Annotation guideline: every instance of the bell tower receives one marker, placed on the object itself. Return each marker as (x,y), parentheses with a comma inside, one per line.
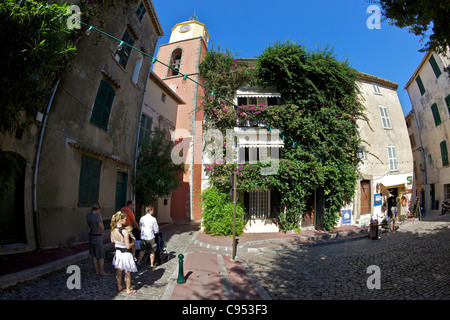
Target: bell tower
(180,59)
(189,30)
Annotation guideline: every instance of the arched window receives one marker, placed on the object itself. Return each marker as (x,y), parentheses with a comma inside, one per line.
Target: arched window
(175,63)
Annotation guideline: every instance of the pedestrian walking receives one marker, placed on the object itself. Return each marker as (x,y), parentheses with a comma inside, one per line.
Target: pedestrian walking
(149,227)
(123,259)
(96,250)
(128,210)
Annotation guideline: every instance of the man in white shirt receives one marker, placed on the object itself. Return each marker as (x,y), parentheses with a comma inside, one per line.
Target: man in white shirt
(149,227)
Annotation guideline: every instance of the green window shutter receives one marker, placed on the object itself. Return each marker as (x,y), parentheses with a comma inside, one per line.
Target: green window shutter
(140,12)
(435,67)
(420,84)
(436,116)
(447,101)
(126,49)
(121,189)
(102,105)
(146,128)
(444,153)
(89,181)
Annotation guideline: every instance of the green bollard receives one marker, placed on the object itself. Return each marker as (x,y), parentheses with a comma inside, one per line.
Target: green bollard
(180,270)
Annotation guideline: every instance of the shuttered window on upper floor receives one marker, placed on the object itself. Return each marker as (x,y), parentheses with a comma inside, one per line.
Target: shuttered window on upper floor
(447,101)
(102,105)
(420,84)
(444,153)
(123,53)
(392,157)
(146,129)
(434,65)
(385,117)
(140,12)
(436,115)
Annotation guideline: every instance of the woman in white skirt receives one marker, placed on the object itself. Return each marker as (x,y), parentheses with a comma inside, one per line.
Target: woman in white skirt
(123,259)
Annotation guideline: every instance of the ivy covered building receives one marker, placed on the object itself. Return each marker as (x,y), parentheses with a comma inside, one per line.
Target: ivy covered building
(341,144)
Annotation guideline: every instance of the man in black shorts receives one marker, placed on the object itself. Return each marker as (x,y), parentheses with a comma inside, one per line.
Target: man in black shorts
(96,250)
(149,227)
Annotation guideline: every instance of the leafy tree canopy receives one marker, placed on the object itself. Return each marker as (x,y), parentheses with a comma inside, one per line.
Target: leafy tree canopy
(422,18)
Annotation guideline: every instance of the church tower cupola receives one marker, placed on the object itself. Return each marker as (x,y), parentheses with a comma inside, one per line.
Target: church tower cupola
(189,30)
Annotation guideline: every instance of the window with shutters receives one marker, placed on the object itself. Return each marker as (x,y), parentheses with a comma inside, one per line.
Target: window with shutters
(444,153)
(89,181)
(102,105)
(392,157)
(434,65)
(121,189)
(140,12)
(447,101)
(420,84)
(436,115)
(385,117)
(146,128)
(123,54)
(376,88)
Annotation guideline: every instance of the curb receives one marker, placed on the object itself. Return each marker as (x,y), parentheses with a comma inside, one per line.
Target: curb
(30,274)
(357,234)
(272,242)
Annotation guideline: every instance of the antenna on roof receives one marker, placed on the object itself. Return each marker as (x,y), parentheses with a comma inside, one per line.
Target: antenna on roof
(193,18)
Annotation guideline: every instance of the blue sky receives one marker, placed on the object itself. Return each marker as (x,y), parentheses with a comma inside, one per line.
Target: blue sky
(247,27)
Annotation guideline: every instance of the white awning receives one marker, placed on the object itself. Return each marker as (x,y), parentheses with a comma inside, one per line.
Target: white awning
(260,145)
(255,92)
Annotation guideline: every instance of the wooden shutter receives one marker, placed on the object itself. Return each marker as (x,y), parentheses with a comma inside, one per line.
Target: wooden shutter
(385,117)
(89,181)
(435,67)
(121,189)
(420,84)
(447,101)
(392,156)
(436,116)
(102,105)
(126,50)
(146,128)
(444,153)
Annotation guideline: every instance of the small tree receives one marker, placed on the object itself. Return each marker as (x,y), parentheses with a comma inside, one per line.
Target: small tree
(156,174)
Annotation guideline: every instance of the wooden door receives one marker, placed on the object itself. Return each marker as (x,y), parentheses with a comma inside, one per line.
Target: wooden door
(365,197)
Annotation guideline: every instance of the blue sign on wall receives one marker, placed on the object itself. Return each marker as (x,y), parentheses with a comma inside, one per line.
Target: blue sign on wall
(346,218)
(377,199)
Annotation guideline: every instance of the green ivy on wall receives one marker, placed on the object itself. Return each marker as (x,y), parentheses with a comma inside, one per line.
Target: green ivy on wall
(317,119)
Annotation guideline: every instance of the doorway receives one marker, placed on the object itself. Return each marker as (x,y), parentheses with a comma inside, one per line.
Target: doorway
(365,197)
(12,209)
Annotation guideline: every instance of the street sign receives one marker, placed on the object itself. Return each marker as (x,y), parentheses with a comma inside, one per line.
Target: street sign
(231,196)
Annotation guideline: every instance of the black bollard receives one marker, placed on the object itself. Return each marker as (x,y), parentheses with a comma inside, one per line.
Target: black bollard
(180,270)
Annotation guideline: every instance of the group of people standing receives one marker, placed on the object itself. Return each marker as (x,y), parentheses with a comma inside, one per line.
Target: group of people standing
(122,223)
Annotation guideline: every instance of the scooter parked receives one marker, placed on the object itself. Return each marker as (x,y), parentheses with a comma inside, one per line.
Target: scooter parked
(445,207)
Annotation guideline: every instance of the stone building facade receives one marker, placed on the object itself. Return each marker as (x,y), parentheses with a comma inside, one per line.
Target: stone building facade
(429,92)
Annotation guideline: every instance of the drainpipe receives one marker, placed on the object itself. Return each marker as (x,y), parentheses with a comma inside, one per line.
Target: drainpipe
(139,128)
(36,167)
(422,154)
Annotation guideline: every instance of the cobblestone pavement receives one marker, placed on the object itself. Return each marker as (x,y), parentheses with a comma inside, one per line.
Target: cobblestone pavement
(413,262)
(150,283)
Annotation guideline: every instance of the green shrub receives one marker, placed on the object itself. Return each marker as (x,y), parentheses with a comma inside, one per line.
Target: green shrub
(218,213)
